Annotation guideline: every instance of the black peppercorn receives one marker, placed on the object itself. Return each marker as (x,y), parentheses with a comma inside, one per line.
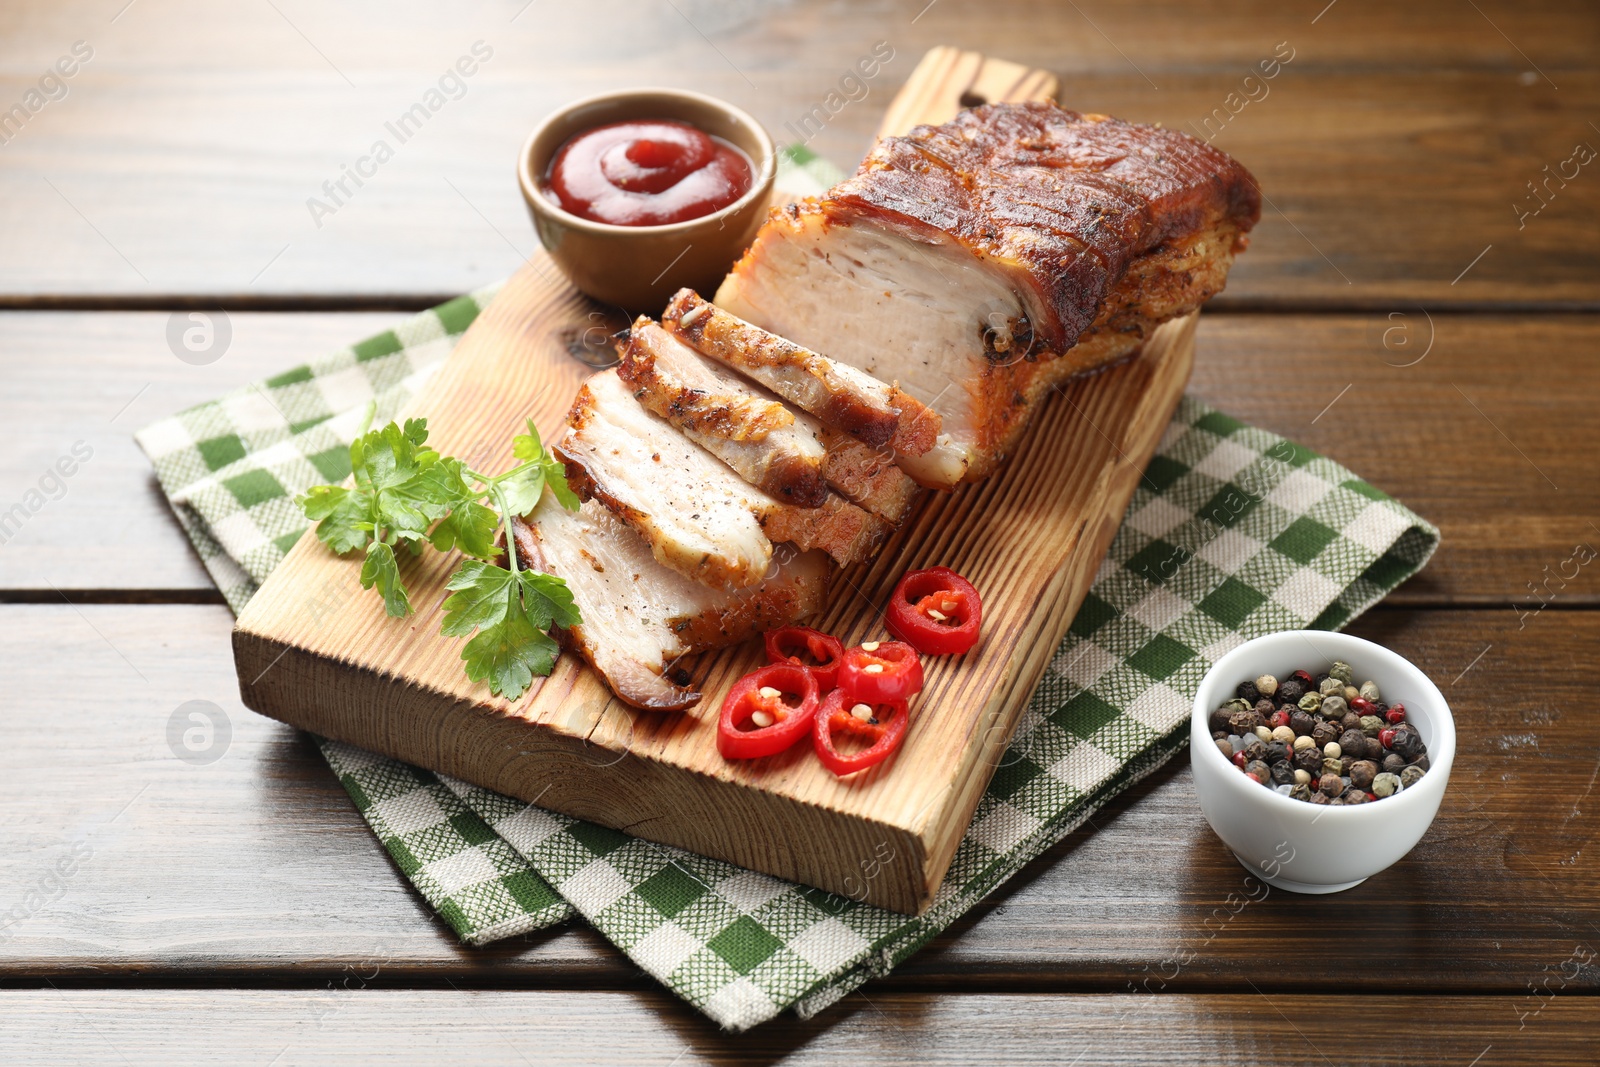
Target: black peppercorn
(1262,772)
(1374,749)
(1265,708)
(1362,772)
(1290,690)
(1301,723)
(1331,785)
(1353,743)
(1422,761)
(1219,719)
(1282,773)
(1255,749)
(1355,796)
(1247,691)
(1276,751)
(1242,722)
(1393,763)
(1324,732)
(1407,743)
(1319,797)
(1309,760)
(1350,721)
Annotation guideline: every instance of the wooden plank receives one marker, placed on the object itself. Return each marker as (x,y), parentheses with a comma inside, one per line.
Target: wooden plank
(1046,521)
(91,381)
(440,1028)
(256,868)
(1416,437)
(163,177)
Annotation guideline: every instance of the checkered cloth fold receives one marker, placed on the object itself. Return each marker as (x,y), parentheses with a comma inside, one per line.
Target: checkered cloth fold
(1231,533)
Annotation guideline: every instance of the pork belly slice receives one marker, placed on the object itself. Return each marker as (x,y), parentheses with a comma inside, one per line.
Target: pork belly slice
(844,398)
(700,518)
(966,261)
(739,423)
(639,616)
(866,476)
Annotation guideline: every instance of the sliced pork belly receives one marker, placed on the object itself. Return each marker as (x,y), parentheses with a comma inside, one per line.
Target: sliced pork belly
(700,518)
(965,261)
(638,616)
(866,476)
(844,398)
(733,419)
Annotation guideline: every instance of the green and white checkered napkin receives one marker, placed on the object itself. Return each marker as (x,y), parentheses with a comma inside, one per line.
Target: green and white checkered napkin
(1232,532)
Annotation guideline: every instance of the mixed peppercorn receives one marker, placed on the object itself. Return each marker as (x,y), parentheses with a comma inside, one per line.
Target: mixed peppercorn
(1320,738)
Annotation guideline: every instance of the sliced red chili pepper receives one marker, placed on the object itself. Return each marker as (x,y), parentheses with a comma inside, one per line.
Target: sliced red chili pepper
(936,611)
(766,711)
(796,644)
(880,671)
(881,724)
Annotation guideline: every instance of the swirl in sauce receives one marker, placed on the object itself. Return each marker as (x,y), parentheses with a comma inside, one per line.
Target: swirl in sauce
(647,173)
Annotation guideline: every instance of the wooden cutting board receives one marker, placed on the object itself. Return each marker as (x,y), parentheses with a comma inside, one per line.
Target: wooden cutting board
(1030,538)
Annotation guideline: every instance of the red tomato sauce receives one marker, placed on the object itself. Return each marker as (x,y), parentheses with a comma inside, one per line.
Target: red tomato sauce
(647,173)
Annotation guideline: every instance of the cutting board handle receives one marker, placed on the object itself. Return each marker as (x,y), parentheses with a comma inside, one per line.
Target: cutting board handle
(949,79)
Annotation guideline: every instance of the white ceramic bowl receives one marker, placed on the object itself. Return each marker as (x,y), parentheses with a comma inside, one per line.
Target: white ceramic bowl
(1312,848)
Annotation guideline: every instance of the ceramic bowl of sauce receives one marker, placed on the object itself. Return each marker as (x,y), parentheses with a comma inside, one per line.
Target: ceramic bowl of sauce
(638,193)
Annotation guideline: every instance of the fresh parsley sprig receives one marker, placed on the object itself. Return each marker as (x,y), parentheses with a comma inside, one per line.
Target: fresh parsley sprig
(405,494)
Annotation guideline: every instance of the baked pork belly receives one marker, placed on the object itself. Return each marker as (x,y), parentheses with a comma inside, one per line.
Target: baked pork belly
(639,616)
(700,518)
(844,398)
(978,263)
(739,423)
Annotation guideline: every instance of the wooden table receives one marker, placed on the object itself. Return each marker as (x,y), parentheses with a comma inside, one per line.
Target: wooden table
(1403,309)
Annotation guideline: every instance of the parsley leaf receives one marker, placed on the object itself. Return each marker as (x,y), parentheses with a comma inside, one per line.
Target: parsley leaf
(405,493)
(380,569)
(510,612)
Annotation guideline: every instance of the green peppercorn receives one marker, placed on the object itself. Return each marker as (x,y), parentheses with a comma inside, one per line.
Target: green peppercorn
(1238,704)
(1350,693)
(1301,791)
(1311,702)
(1342,671)
(1332,765)
(1411,776)
(1334,707)
(1330,686)
(1371,725)
(1369,691)
(1385,785)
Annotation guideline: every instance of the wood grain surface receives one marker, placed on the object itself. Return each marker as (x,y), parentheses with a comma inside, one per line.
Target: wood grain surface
(1396,147)
(180,164)
(441,1028)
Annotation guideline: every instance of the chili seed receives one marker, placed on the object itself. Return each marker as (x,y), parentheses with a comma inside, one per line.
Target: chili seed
(761,719)
(871,646)
(1385,785)
(864,713)
(872,668)
(769,693)
(936,615)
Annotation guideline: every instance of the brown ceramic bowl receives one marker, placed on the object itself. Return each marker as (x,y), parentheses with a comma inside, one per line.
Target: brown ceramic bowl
(639,267)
